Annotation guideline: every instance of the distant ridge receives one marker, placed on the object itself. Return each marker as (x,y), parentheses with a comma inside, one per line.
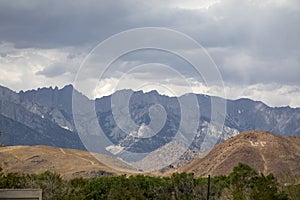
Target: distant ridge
(263,151)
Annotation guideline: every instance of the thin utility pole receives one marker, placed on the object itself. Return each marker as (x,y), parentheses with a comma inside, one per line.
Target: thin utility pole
(208,187)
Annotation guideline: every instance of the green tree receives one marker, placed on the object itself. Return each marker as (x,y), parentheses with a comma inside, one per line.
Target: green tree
(293,191)
(247,184)
(239,180)
(75,189)
(266,187)
(98,188)
(51,183)
(12,181)
(218,186)
(183,185)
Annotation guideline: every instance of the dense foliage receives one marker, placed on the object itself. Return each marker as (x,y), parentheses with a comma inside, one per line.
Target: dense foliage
(242,183)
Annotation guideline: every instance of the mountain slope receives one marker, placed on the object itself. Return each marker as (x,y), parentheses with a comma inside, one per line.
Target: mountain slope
(69,163)
(265,152)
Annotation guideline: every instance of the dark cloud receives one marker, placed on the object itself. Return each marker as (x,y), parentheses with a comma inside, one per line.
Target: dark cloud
(263,28)
(252,42)
(58,23)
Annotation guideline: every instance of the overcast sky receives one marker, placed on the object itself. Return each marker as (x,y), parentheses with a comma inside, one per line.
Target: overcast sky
(255,45)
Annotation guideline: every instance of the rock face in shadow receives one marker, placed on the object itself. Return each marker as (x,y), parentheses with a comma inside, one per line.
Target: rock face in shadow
(25,121)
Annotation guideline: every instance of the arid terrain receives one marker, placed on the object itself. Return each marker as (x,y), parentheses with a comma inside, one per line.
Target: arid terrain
(265,152)
(69,163)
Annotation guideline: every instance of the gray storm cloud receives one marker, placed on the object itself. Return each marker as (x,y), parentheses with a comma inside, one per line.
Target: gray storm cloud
(255,44)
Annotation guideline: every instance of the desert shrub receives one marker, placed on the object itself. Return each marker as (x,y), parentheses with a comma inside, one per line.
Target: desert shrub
(243,183)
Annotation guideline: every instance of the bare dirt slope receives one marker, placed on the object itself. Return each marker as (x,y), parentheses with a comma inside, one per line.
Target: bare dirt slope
(69,163)
(265,152)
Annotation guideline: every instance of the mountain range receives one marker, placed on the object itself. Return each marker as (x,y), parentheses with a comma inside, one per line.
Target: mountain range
(44,117)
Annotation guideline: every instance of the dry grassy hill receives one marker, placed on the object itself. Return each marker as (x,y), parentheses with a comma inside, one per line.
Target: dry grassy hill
(69,163)
(263,151)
